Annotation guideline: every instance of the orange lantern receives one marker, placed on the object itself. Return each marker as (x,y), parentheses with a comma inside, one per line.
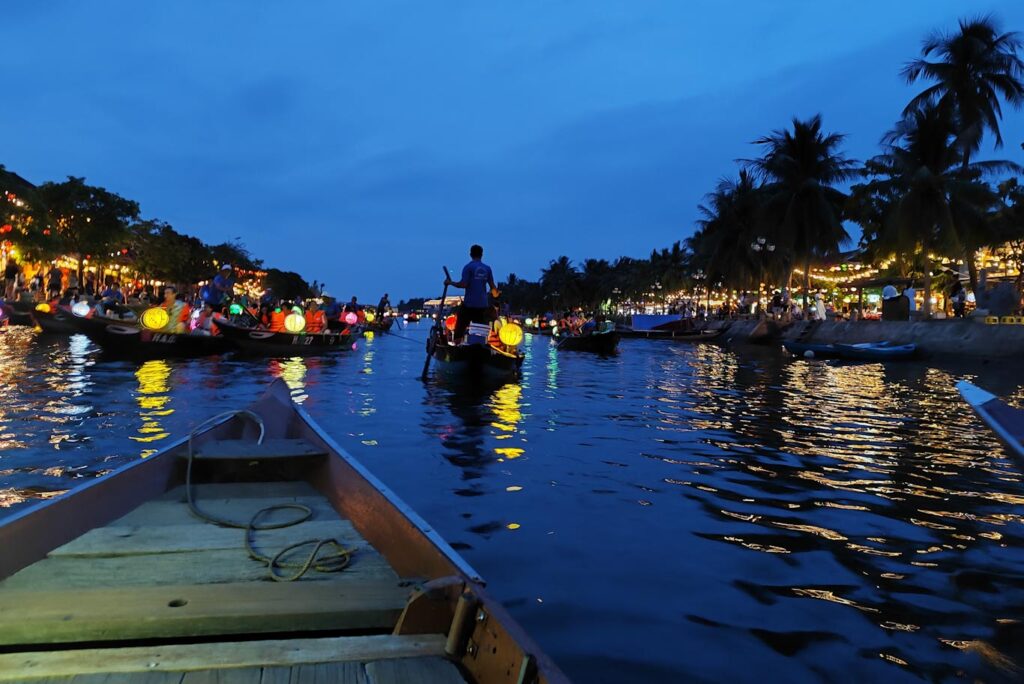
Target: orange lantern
(450,322)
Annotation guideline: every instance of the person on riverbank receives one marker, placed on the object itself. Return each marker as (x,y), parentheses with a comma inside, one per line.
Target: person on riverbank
(54,281)
(476,277)
(89,289)
(11,273)
(910,294)
(958,298)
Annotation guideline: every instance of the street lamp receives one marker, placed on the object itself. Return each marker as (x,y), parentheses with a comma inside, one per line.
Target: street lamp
(761,247)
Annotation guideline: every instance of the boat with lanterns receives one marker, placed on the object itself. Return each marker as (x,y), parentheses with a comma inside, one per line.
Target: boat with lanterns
(601,342)
(147,337)
(488,353)
(292,341)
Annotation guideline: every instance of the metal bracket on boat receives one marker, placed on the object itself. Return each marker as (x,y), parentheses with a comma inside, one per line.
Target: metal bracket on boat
(429,608)
(492,654)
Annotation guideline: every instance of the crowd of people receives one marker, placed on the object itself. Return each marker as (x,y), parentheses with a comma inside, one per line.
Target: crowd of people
(195,310)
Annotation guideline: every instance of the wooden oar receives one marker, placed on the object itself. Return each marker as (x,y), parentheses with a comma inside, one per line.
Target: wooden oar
(438,324)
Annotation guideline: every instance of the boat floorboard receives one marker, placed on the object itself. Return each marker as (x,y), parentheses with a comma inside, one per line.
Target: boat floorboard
(160,572)
(381,659)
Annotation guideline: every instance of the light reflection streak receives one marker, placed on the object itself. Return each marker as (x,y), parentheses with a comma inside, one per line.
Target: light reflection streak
(153,398)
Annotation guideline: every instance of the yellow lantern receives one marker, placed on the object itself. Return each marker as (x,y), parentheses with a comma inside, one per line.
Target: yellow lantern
(155,318)
(370,317)
(511,334)
(43,308)
(294,323)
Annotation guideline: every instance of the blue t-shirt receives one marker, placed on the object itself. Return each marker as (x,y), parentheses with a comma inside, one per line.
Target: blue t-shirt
(221,286)
(476,276)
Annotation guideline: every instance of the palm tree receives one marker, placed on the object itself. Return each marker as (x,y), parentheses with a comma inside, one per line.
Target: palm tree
(560,280)
(804,209)
(731,222)
(595,284)
(976,66)
(973,69)
(934,205)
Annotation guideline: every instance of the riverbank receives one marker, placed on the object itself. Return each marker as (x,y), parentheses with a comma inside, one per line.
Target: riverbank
(960,338)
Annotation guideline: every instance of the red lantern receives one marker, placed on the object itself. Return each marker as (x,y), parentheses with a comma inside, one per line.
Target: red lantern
(450,322)
(6,228)
(46,231)
(124,251)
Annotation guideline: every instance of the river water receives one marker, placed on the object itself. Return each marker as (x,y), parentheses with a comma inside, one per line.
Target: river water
(676,513)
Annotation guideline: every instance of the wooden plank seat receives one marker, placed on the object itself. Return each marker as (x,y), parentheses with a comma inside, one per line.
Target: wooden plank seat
(160,572)
(377,659)
(249,450)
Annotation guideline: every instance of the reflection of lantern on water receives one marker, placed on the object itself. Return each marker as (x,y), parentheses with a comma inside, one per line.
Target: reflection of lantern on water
(506,407)
(449,322)
(295,323)
(155,318)
(153,398)
(80,309)
(351,318)
(293,372)
(511,335)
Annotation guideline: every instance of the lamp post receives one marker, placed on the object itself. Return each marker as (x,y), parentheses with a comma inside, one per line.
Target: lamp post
(657,293)
(761,247)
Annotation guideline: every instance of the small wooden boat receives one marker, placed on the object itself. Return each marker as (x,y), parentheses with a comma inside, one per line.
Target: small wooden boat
(124,338)
(17,312)
(680,335)
(473,361)
(604,343)
(1005,420)
(161,572)
(267,343)
(866,351)
(57,321)
(381,325)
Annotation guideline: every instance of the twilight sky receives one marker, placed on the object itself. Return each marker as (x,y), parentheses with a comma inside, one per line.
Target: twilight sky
(365,143)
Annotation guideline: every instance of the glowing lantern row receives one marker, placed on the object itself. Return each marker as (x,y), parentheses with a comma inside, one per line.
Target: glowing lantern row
(43,308)
(511,335)
(80,309)
(295,323)
(155,318)
(351,318)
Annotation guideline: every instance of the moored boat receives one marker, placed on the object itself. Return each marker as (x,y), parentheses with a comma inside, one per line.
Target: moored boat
(161,570)
(866,351)
(266,343)
(604,343)
(124,338)
(57,320)
(1005,420)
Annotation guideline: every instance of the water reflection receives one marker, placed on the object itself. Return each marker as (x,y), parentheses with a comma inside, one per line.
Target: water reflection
(153,397)
(816,520)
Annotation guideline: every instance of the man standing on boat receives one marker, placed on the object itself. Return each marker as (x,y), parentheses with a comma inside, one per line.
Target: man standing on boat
(476,277)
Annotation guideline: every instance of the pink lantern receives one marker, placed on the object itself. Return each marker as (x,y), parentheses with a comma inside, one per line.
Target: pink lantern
(351,318)
(355,346)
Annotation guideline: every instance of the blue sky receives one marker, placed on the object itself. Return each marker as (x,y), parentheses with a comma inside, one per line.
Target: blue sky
(365,144)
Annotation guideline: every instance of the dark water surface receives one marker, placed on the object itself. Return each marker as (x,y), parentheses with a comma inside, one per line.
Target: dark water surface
(676,513)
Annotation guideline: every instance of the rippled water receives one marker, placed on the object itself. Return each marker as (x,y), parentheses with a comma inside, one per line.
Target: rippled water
(675,513)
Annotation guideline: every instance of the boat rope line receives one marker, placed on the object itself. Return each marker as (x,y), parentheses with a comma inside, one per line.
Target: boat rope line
(335,561)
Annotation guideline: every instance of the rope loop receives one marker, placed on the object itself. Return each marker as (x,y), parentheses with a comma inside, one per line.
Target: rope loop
(333,562)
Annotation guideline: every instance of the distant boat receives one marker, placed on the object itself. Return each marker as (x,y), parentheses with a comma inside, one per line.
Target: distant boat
(604,343)
(866,351)
(1005,420)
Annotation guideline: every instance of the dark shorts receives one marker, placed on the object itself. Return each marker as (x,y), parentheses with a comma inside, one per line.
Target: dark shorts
(467,314)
